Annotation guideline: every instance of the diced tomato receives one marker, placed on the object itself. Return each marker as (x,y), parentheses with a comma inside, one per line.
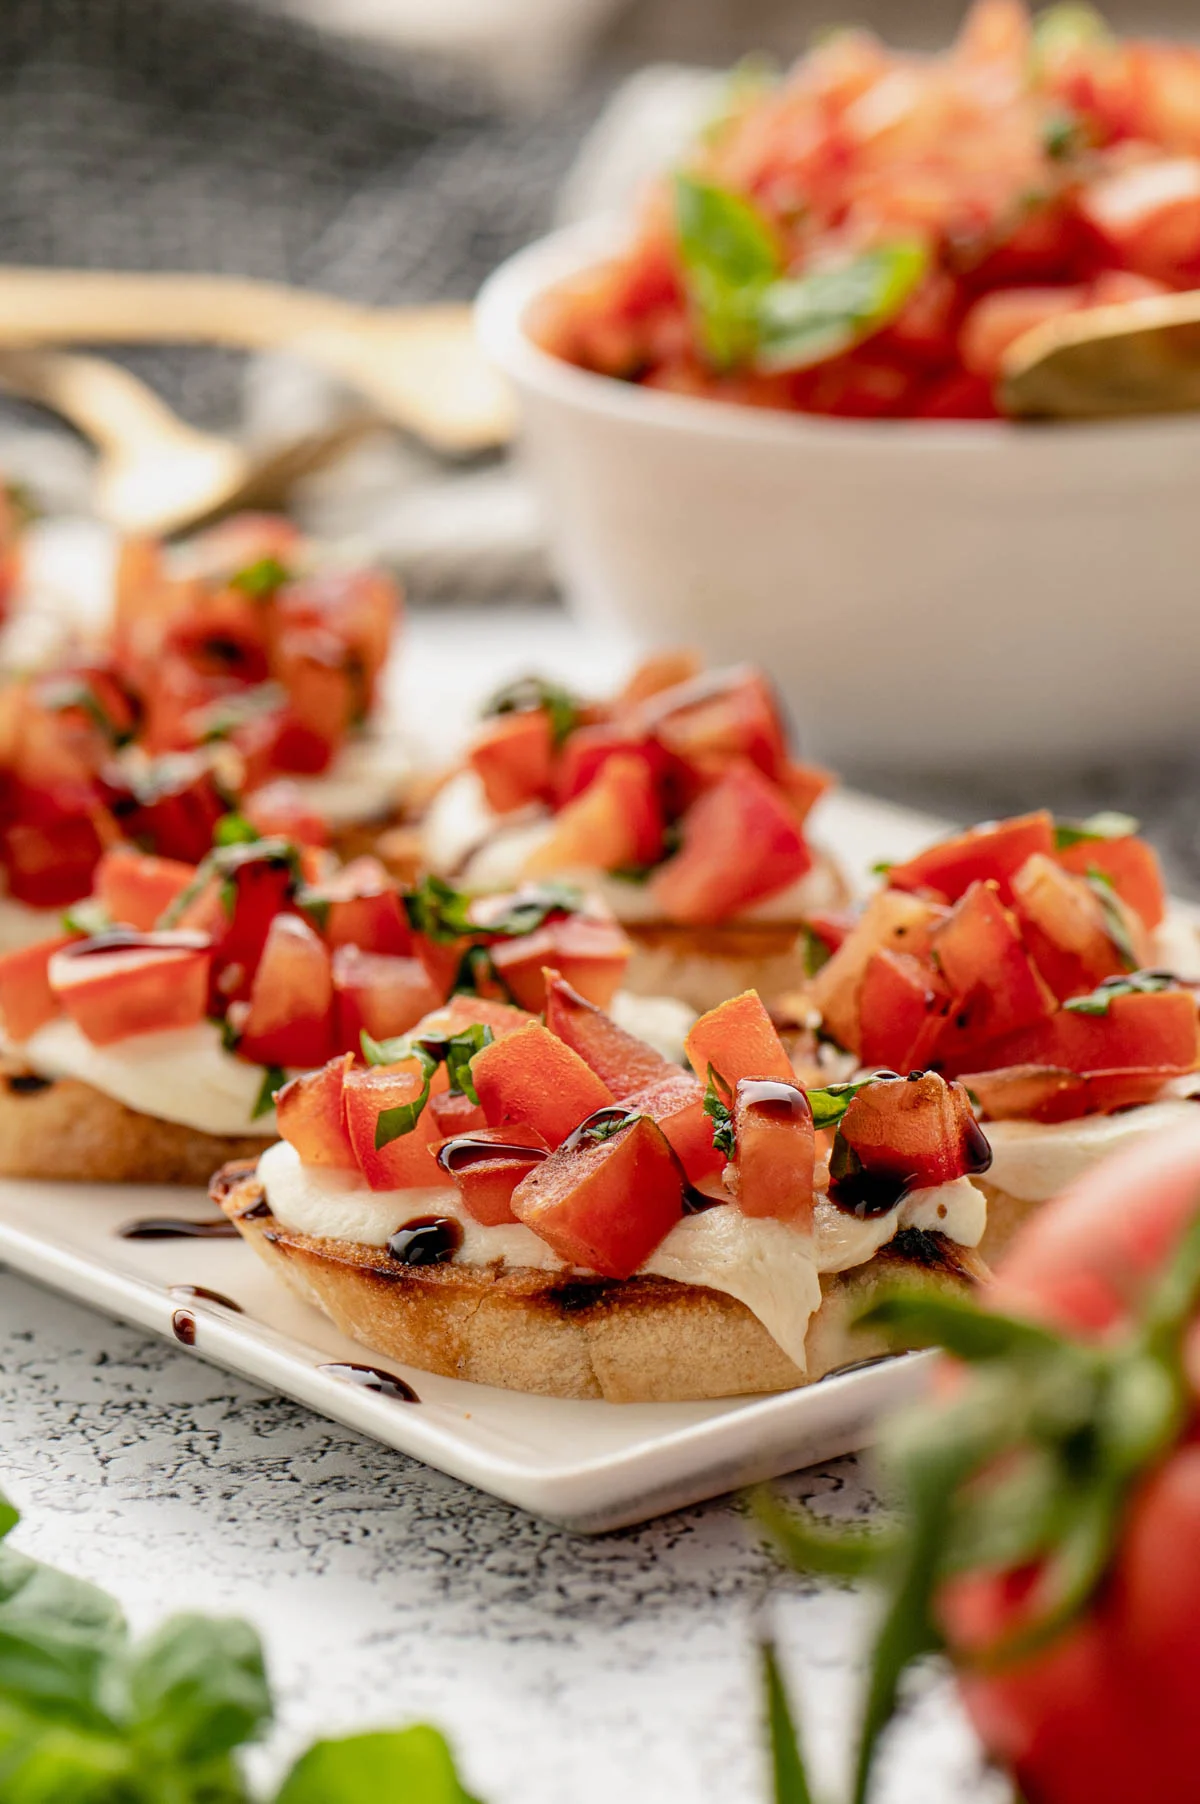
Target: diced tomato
(237,910)
(1154,1032)
(1040,1093)
(291,1020)
(126,983)
(994,852)
(405,1163)
(461,1012)
(26,1000)
(588,750)
(892,920)
(359,906)
(279,809)
(605,1206)
(1069,930)
(804,785)
(995,988)
(742,841)
(592,955)
(738,1040)
(452,1112)
(714,719)
(486,1184)
(832,926)
(661,670)
(1132,868)
(312,1115)
(379,994)
(1149,215)
(902,1004)
(531,1077)
(513,757)
(360,607)
(916,1131)
(774,1151)
(173,808)
(51,865)
(616,821)
(620,1060)
(137,889)
(676,1102)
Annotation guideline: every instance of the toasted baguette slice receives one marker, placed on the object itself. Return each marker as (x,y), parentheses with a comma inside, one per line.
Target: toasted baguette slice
(65,1129)
(640,1340)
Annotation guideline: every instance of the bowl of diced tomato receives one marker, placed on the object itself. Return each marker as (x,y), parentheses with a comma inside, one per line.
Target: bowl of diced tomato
(767,415)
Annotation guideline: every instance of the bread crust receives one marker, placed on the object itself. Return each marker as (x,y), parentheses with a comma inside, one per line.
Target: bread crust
(62,1128)
(640,1340)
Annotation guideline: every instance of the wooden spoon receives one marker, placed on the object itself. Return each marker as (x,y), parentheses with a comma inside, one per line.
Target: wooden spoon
(1139,357)
(420,367)
(156,474)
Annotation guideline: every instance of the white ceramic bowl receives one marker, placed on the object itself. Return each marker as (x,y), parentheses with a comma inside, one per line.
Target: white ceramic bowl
(920,591)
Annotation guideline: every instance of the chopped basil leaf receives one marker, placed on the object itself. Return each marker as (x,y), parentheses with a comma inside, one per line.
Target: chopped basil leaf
(717,1098)
(528,695)
(1138,983)
(261,578)
(1117,927)
(749,79)
(460,1050)
(87,917)
(230,1034)
(830,1104)
(1064,135)
(730,259)
(883,867)
(610,1125)
(440,911)
(274,1078)
(234,830)
(806,319)
(225,716)
(816,952)
(393,1124)
(72,692)
(315,906)
(1108,825)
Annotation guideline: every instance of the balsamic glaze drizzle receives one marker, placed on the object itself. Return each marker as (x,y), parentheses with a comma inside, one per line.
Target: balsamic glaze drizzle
(201,1295)
(370,1378)
(427,1240)
(171,1227)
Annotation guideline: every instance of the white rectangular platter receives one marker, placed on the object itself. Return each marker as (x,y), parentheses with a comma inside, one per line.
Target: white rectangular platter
(591,1466)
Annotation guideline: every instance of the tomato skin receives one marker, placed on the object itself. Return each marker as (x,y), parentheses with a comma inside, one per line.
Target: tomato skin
(994,852)
(378,993)
(531,1077)
(137,889)
(774,1153)
(26,1000)
(592,955)
(1131,866)
(290,1020)
(1105,1715)
(312,1115)
(605,1207)
(742,840)
(513,757)
(619,1059)
(113,994)
(738,1039)
(617,820)
(403,1164)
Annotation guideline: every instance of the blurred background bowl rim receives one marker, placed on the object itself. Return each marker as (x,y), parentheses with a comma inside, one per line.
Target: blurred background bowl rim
(506,296)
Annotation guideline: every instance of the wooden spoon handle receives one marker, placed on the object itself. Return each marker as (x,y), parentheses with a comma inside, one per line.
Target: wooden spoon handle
(57,306)
(103,401)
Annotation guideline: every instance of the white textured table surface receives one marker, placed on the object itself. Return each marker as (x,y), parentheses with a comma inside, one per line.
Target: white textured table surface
(561,1668)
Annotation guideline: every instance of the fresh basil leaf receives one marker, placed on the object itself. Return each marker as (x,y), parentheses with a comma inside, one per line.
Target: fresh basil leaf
(460,1050)
(1064,135)
(56,1635)
(397,1049)
(394,1124)
(413,1766)
(789,1777)
(73,692)
(197,1688)
(438,910)
(274,1078)
(883,867)
(10,1515)
(261,578)
(528,695)
(234,830)
(810,1545)
(441,912)
(807,319)
(970,1333)
(226,715)
(88,917)
(729,258)
(816,952)
(1137,983)
(830,1103)
(611,1123)
(717,1099)
(1116,925)
(1108,825)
